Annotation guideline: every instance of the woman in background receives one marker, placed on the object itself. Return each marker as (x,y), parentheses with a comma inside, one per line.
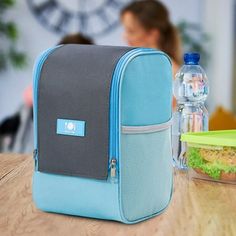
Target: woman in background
(147,24)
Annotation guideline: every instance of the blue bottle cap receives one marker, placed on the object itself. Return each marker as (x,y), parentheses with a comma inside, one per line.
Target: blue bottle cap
(191,58)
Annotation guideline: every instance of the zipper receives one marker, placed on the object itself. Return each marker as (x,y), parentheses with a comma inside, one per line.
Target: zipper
(36,75)
(115,103)
(113,158)
(35,152)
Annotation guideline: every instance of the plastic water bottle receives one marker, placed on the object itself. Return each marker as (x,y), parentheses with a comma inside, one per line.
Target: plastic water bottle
(190,90)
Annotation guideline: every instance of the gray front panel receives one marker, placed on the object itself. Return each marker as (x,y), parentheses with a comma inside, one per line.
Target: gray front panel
(75,84)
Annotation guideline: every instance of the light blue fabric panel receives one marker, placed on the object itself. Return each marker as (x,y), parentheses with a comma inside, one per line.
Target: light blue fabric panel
(146,174)
(76,196)
(145,160)
(146,92)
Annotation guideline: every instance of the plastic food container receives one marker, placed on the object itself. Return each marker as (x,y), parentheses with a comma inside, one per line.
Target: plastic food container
(212,155)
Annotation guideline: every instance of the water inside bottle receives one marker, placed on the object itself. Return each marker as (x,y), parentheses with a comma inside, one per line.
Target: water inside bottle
(190,90)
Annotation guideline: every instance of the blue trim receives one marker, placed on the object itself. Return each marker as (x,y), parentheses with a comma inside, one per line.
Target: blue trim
(36,76)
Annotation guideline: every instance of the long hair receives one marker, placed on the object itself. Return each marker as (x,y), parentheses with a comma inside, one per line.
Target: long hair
(154,15)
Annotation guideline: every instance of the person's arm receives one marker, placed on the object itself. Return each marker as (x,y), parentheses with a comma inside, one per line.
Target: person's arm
(28,96)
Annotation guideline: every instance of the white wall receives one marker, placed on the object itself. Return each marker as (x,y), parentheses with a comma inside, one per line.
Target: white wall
(34,38)
(218,22)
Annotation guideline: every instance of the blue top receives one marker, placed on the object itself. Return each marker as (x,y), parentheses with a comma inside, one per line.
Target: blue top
(191,58)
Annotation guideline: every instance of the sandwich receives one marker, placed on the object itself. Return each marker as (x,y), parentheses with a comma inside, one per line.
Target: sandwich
(218,163)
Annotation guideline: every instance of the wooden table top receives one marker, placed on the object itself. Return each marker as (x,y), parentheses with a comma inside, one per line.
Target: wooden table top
(197,208)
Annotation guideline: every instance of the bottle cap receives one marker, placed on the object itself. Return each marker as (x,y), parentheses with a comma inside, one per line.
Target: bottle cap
(191,58)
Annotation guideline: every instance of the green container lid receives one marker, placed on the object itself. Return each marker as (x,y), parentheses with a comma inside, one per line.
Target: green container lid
(216,138)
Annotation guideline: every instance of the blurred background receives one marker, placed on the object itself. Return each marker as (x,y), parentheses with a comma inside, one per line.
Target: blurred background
(28,27)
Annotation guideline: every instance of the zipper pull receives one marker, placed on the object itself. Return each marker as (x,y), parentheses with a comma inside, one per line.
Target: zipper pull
(35,152)
(113,169)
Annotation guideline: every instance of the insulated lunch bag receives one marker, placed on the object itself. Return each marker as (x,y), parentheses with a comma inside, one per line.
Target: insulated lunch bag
(102,132)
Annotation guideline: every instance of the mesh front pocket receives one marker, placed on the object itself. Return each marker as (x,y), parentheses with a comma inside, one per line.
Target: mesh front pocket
(146,172)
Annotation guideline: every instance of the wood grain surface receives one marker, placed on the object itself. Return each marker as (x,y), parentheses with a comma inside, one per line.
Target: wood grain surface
(197,208)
